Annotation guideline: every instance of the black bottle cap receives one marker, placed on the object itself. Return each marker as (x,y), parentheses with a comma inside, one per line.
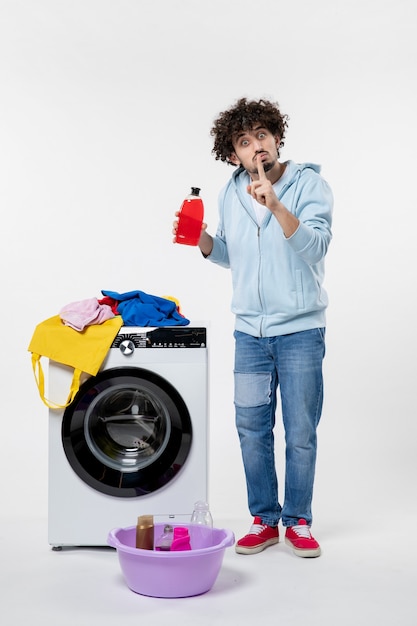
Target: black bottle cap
(195,191)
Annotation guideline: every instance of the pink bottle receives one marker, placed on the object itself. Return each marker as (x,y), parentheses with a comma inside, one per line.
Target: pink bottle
(181,539)
(190,219)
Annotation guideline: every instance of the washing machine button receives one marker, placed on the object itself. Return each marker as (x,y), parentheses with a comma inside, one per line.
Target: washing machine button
(127,347)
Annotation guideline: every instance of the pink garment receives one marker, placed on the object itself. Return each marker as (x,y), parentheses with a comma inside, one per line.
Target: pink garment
(83,313)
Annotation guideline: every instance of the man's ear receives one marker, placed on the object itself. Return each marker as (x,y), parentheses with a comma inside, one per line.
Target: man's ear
(233,159)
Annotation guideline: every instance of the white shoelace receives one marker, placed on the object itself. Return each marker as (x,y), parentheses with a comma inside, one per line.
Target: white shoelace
(302,531)
(256,529)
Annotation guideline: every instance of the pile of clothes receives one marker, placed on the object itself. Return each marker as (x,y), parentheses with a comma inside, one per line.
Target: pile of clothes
(136,308)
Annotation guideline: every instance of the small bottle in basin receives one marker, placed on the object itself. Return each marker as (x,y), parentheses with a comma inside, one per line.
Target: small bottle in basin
(145,532)
(190,219)
(164,542)
(201,514)
(201,527)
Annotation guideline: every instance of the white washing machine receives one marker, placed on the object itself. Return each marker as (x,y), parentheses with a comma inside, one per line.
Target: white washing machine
(135,439)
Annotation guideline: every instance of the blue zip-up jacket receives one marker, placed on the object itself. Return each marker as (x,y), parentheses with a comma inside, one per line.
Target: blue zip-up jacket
(277,281)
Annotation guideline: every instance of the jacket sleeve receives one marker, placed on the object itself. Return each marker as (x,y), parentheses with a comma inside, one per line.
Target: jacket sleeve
(313,205)
(219,253)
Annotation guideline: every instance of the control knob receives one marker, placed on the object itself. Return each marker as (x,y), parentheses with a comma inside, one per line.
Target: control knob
(127,347)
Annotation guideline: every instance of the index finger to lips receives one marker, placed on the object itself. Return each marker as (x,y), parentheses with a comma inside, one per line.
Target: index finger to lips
(261,171)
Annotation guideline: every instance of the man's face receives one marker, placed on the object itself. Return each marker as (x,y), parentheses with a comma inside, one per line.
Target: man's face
(249,143)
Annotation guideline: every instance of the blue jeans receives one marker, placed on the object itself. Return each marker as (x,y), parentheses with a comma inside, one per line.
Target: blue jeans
(294,363)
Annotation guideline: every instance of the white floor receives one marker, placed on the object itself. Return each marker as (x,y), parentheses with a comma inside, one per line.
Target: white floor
(365,576)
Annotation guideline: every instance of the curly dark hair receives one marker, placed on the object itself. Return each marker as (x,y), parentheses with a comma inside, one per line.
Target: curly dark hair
(243,116)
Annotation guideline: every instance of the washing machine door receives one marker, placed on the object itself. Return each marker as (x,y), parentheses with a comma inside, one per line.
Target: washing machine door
(127,433)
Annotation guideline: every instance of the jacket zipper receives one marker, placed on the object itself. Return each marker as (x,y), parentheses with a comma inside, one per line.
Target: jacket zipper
(259,275)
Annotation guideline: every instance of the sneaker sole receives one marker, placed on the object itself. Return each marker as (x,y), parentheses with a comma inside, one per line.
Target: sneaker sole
(256,549)
(306,553)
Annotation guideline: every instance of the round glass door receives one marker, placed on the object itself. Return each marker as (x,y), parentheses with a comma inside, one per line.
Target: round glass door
(127,433)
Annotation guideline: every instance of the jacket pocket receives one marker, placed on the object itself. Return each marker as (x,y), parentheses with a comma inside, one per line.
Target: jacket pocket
(299,289)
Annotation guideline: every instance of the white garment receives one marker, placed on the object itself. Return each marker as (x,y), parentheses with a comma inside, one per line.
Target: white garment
(260,209)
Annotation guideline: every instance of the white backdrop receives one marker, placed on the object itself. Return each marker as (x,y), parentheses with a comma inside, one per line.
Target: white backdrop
(106,107)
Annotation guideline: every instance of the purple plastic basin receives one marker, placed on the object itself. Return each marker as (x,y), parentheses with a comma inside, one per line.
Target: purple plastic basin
(172,574)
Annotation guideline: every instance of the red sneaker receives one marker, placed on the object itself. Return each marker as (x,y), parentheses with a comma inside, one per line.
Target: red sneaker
(260,536)
(301,540)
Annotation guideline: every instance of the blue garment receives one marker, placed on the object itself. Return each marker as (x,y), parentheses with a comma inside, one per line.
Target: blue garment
(277,281)
(138,308)
(294,362)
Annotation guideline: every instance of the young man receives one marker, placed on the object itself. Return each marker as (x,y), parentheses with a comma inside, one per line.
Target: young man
(273,233)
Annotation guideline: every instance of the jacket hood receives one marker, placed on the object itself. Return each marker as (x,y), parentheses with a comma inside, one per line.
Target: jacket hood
(291,176)
(292,172)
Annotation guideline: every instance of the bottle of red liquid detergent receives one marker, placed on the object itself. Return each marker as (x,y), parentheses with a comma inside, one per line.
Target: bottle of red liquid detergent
(190,219)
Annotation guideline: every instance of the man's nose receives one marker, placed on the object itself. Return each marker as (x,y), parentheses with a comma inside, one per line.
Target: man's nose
(257,145)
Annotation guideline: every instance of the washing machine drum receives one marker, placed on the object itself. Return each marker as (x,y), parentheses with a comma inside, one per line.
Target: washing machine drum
(127,433)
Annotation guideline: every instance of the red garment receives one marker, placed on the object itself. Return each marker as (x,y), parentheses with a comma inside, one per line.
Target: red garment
(111,302)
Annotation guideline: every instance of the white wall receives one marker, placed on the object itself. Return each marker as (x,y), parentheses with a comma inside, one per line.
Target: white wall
(106,107)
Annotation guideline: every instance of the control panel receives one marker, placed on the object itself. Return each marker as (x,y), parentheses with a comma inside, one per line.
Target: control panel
(176,337)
